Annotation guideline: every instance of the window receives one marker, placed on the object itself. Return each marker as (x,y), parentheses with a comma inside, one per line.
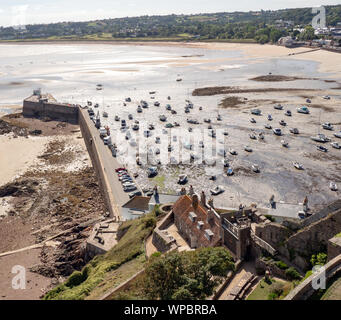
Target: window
(208,234)
(192,216)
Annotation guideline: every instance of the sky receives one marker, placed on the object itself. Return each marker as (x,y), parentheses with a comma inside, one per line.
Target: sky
(20,12)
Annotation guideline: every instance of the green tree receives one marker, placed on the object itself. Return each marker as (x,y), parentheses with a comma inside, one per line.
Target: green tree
(187,275)
(318,259)
(307,34)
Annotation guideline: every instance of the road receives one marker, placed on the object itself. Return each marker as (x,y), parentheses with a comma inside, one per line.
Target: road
(109,164)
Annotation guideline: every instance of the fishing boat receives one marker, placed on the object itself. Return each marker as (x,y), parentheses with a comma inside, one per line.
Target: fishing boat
(255,168)
(294,131)
(256,112)
(156,103)
(144,104)
(192,121)
(219,118)
(288,113)
(130,116)
(252,120)
(268,126)
(168,107)
(252,136)
(270,117)
(179,80)
(212,133)
(320,138)
(285,144)
(247,149)
(278,107)
(128,100)
(322,148)
(163,118)
(139,109)
(283,123)
(105,114)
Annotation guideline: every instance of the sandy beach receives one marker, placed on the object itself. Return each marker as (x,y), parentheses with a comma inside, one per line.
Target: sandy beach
(330,62)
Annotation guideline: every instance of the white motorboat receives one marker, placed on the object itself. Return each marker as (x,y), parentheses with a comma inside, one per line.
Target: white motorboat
(303,110)
(217,190)
(320,138)
(335,145)
(285,144)
(294,131)
(333,186)
(327,126)
(337,135)
(233,152)
(298,165)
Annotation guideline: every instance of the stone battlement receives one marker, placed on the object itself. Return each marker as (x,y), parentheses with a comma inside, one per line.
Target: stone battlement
(45,106)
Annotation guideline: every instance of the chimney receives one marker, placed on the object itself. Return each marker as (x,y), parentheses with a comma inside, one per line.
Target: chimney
(203,198)
(210,203)
(191,190)
(195,201)
(210,216)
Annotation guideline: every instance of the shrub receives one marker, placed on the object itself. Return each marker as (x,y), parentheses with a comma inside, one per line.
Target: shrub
(77,278)
(281,265)
(318,259)
(292,274)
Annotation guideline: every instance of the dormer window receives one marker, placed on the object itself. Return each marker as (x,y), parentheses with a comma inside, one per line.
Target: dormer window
(209,234)
(200,225)
(192,216)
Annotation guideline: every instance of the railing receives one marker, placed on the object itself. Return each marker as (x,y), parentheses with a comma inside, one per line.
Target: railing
(230,227)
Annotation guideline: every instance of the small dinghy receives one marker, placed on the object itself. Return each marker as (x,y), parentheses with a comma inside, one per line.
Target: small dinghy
(298,165)
(333,186)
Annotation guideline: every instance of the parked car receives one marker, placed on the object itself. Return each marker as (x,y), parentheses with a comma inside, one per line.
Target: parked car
(135,194)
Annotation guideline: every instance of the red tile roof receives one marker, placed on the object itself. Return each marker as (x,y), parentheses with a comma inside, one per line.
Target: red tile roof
(181,210)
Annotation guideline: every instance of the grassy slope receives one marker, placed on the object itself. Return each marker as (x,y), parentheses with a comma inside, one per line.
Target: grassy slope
(263,289)
(104,272)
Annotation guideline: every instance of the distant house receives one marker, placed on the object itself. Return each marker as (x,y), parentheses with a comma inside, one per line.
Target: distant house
(286,41)
(197,223)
